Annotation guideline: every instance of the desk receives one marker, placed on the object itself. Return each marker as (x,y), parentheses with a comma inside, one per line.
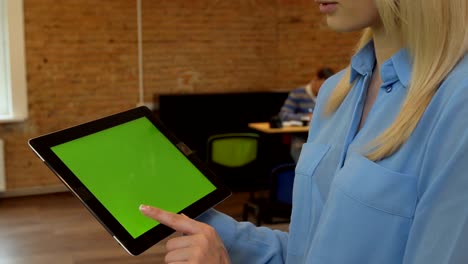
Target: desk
(276,142)
(264,127)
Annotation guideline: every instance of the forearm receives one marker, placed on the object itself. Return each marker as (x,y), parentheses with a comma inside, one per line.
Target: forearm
(247,243)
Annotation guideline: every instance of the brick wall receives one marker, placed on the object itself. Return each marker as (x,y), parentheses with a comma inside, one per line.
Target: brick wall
(305,44)
(82,59)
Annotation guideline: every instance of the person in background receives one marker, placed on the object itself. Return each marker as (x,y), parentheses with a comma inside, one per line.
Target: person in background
(299,106)
(300,102)
(383,175)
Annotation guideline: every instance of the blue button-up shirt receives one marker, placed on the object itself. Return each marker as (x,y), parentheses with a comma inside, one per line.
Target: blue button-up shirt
(411,207)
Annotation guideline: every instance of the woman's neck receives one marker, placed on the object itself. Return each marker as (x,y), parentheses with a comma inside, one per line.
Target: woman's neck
(385,45)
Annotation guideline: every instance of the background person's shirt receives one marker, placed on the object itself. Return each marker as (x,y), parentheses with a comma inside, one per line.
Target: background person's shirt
(409,208)
(298,104)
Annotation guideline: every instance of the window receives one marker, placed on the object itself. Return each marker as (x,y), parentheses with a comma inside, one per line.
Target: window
(13,94)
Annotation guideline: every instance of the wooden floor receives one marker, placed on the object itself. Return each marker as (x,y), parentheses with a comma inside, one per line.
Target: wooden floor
(56,228)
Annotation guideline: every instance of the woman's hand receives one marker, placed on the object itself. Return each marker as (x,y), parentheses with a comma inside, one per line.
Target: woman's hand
(201,243)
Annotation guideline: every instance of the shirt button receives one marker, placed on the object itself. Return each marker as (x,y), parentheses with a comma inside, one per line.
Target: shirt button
(388,89)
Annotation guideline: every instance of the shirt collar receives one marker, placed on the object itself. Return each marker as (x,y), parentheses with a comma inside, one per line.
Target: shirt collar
(397,68)
(401,67)
(363,61)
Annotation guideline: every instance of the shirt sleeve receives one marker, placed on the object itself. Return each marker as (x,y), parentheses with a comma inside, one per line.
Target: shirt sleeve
(439,233)
(247,243)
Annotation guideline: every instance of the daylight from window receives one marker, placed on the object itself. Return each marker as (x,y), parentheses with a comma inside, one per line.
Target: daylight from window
(13,97)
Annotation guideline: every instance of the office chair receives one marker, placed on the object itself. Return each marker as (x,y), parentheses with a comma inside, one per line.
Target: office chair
(277,207)
(234,158)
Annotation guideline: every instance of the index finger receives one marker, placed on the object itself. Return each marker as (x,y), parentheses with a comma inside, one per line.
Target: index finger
(180,223)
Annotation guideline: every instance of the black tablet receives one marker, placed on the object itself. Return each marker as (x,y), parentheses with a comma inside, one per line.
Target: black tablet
(116,163)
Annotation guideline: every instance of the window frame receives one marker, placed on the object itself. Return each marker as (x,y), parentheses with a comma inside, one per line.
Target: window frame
(15,63)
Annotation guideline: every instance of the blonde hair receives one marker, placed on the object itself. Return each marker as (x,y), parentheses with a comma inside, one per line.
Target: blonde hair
(435,33)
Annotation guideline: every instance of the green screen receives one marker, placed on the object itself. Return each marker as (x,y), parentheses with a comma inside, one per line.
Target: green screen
(133,164)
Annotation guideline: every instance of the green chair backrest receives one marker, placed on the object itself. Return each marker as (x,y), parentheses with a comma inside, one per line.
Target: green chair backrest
(234,149)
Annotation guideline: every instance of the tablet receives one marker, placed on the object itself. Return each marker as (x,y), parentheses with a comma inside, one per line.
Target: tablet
(116,163)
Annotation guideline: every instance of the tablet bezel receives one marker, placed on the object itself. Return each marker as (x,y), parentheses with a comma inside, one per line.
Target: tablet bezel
(42,147)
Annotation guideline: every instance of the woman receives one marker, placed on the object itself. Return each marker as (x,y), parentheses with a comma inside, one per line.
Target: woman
(384,175)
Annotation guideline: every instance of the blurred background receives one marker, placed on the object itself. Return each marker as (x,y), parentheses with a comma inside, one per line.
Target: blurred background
(82,61)
(85,59)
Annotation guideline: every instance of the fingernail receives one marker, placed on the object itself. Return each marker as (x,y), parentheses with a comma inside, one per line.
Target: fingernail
(144,208)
